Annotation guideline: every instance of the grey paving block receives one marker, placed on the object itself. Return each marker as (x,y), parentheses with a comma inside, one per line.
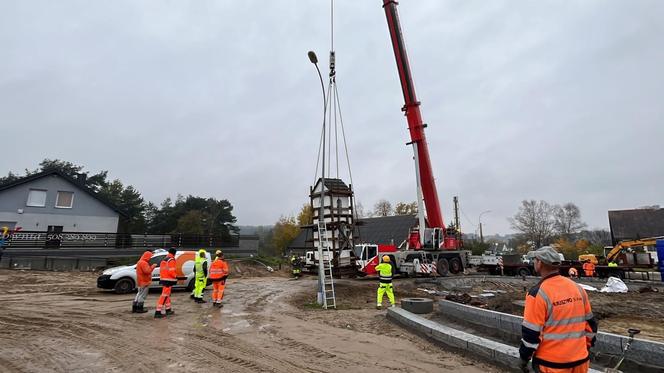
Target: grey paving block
(481,347)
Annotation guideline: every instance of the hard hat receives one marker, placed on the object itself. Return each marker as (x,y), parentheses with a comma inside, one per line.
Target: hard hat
(548,255)
(386,258)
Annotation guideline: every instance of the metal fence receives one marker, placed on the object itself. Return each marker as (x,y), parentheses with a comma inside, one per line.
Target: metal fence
(34,239)
(49,263)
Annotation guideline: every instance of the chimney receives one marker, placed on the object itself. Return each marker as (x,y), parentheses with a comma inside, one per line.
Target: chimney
(81,178)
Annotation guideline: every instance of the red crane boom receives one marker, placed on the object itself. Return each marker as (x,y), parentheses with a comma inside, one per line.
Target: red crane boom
(414,117)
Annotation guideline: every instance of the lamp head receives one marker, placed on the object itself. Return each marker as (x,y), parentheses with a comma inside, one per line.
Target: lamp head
(312,57)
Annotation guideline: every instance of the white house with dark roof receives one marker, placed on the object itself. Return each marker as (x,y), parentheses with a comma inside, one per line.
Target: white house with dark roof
(52,201)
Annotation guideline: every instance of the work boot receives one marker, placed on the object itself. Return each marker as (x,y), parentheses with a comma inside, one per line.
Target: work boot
(201,300)
(378,306)
(133,307)
(192,296)
(140,309)
(158,315)
(170,312)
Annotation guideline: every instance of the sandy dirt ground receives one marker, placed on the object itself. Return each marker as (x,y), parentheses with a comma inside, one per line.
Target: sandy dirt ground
(60,322)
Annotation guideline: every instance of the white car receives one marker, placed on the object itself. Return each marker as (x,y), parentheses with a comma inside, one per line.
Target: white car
(123,279)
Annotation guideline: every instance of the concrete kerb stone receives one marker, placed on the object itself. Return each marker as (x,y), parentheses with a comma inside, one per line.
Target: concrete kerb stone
(476,345)
(485,348)
(643,351)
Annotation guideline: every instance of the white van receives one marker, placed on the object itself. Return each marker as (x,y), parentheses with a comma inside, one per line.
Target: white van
(123,279)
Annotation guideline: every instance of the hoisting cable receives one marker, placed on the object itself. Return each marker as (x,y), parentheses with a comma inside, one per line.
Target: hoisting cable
(329,131)
(320,145)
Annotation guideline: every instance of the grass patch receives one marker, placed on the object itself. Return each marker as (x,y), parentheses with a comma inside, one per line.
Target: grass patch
(312,306)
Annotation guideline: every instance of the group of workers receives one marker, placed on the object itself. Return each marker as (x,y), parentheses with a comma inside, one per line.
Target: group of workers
(217,274)
(558,326)
(588,269)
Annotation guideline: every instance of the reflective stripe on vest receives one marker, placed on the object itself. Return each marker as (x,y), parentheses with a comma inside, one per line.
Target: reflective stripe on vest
(560,315)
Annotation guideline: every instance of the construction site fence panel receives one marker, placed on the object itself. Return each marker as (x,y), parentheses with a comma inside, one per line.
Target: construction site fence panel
(49,240)
(47,263)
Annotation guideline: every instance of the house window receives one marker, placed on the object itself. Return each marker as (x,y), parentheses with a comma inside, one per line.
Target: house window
(36,198)
(64,200)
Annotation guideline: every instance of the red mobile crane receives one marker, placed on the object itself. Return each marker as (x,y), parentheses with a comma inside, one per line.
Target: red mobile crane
(442,246)
(426,182)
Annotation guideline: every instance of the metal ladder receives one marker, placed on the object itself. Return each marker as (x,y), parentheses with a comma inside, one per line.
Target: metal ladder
(329,297)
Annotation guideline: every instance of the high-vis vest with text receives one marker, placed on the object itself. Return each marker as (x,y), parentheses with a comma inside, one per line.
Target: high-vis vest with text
(558,324)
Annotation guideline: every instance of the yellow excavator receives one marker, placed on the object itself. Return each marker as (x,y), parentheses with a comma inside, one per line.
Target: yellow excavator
(613,254)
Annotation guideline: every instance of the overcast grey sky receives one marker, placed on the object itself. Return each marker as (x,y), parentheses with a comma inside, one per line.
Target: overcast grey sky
(553,100)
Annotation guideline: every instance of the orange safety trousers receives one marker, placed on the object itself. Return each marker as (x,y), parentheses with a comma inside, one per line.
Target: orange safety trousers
(582,368)
(218,291)
(164,299)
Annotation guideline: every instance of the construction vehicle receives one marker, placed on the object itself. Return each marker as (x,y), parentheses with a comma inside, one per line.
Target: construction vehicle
(624,259)
(122,279)
(615,253)
(431,246)
(506,264)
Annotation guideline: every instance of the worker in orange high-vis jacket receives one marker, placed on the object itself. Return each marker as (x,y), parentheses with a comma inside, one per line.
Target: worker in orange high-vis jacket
(143,280)
(218,276)
(589,268)
(558,326)
(167,278)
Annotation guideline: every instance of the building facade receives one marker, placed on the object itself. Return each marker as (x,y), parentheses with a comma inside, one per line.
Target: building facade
(53,202)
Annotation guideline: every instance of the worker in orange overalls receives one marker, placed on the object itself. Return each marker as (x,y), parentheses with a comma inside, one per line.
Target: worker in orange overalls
(167,278)
(143,280)
(218,275)
(589,268)
(572,272)
(558,326)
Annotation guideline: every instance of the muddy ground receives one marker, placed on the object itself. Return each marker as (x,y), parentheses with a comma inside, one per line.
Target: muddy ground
(60,322)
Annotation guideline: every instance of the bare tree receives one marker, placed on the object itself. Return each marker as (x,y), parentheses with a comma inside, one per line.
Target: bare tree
(568,220)
(403,208)
(535,221)
(383,208)
(359,210)
(598,237)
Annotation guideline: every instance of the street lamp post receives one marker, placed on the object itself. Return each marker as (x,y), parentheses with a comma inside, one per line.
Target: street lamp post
(479,219)
(321,213)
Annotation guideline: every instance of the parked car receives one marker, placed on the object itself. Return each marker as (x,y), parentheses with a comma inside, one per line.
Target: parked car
(122,279)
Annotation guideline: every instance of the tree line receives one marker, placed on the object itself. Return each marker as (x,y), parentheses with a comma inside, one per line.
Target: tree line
(540,223)
(274,240)
(187,215)
(384,208)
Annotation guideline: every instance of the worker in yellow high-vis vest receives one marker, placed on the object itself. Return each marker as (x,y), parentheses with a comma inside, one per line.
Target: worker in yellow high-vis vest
(384,270)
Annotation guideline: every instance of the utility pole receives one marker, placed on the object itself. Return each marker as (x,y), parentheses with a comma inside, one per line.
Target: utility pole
(479,220)
(481,235)
(457,223)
